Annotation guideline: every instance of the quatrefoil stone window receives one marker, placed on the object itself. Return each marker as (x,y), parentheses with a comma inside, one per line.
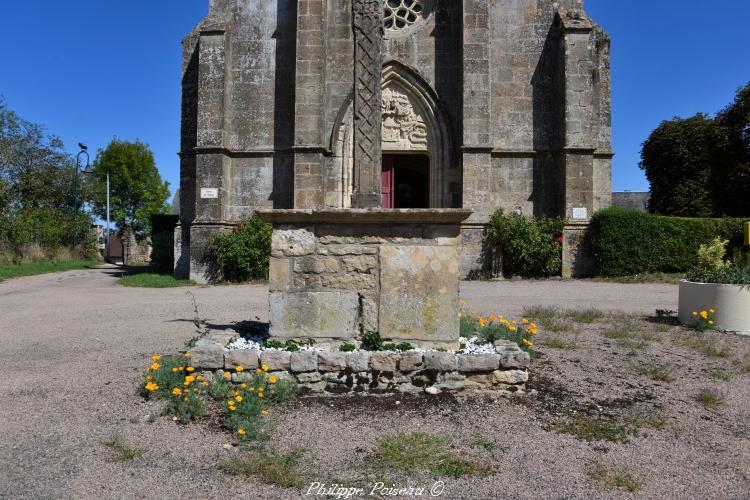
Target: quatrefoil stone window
(400,14)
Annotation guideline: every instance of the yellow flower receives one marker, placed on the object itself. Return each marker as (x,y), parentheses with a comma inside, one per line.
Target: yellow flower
(243,385)
(260,395)
(251,389)
(205,383)
(154,367)
(265,367)
(174,370)
(232,408)
(239,368)
(155,357)
(711,323)
(264,413)
(176,391)
(525,321)
(152,387)
(528,343)
(189,380)
(241,431)
(199,378)
(184,399)
(482,322)
(188,355)
(227,375)
(704,314)
(695,313)
(273,379)
(148,377)
(238,398)
(190,369)
(712,311)
(532,329)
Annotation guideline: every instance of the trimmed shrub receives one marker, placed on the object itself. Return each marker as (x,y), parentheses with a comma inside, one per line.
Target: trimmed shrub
(243,254)
(628,242)
(531,247)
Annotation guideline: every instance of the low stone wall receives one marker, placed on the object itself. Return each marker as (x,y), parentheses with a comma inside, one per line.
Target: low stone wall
(335,372)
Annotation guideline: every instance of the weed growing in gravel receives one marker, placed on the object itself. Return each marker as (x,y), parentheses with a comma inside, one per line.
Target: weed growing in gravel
(592,429)
(415,452)
(559,343)
(124,452)
(172,379)
(709,398)
(280,469)
(549,318)
(607,478)
(703,345)
(703,320)
(746,369)
(632,343)
(720,375)
(482,442)
(656,372)
(586,316)
(201,327)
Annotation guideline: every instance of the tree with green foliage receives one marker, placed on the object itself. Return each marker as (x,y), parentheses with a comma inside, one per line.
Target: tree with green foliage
(680,159)
(136,189)
(735,174)
(36,187)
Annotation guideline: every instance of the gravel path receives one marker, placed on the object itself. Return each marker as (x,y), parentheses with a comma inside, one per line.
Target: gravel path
(74,345)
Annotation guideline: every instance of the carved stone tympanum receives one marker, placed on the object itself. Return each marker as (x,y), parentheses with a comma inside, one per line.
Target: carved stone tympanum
(403,126)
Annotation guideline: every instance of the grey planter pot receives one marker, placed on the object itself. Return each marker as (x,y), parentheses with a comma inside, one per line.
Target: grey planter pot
(731,302)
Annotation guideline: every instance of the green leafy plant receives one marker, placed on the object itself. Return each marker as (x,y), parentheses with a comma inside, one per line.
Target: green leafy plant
(403,346)
(243,253)
(371,341)
(348,347)
(289,345)
(531,247)
(709,398)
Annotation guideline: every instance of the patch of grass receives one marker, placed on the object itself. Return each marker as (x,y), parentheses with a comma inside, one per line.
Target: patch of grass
(34,268)
(559,343)
(608,478)
(721,375)
(592,429)
(617,334)
(280,469)
(151,280)
(586,316)
(548,318)
(410,453)
(709,398)
(124,452)
(632,344)
(746,369)
(667,278)
(656,372)
(705,346)
(480,441)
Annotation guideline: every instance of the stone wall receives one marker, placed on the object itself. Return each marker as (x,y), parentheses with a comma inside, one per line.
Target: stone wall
(335,275)
(335,372)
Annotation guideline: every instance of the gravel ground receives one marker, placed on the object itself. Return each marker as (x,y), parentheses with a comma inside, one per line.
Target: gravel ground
(74,345)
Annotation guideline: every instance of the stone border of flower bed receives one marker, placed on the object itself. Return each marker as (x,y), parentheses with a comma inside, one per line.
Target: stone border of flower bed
(336,372)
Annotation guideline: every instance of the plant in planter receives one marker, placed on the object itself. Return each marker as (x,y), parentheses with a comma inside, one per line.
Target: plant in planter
(716,292)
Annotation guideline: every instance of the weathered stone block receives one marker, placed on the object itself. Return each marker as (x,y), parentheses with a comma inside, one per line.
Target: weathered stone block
(304,361)
(314,314)
(316,265)
(360,264)
(292,242)
(209,355)
(245,358)
(350,250)
(512,360)
(384,361)
(510,377)
(279,275)
(478,362)
(331,361)
(410,361)
(309,377)
(441,361)
(419,293)
(276,360)
(358,361)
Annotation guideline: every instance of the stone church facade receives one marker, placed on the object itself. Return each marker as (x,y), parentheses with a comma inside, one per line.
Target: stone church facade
(485,104)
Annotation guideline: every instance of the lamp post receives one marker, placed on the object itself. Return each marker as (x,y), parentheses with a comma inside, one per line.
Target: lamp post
(83,151)
(107,243)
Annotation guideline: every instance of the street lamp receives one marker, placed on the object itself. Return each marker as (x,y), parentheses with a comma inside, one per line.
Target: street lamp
(87,169)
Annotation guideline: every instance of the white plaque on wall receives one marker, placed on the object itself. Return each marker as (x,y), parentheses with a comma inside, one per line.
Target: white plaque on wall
(580,213)
(209,193)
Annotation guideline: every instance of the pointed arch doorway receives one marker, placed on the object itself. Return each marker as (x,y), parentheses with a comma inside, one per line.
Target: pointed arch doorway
(406,180)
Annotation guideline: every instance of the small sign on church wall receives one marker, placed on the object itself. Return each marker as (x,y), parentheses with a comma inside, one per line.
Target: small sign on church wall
(209,193)
(580,213)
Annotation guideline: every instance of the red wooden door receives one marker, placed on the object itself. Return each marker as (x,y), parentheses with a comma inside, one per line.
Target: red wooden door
(387,181)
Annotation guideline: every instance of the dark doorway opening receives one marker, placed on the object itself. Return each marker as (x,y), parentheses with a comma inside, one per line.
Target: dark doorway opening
(406,181)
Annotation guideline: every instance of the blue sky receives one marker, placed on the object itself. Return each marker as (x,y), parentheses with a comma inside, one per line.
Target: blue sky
(90,70)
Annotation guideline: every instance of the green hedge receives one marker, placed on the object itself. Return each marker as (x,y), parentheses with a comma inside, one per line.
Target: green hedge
(531,247)
(243,254)
(628,242)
